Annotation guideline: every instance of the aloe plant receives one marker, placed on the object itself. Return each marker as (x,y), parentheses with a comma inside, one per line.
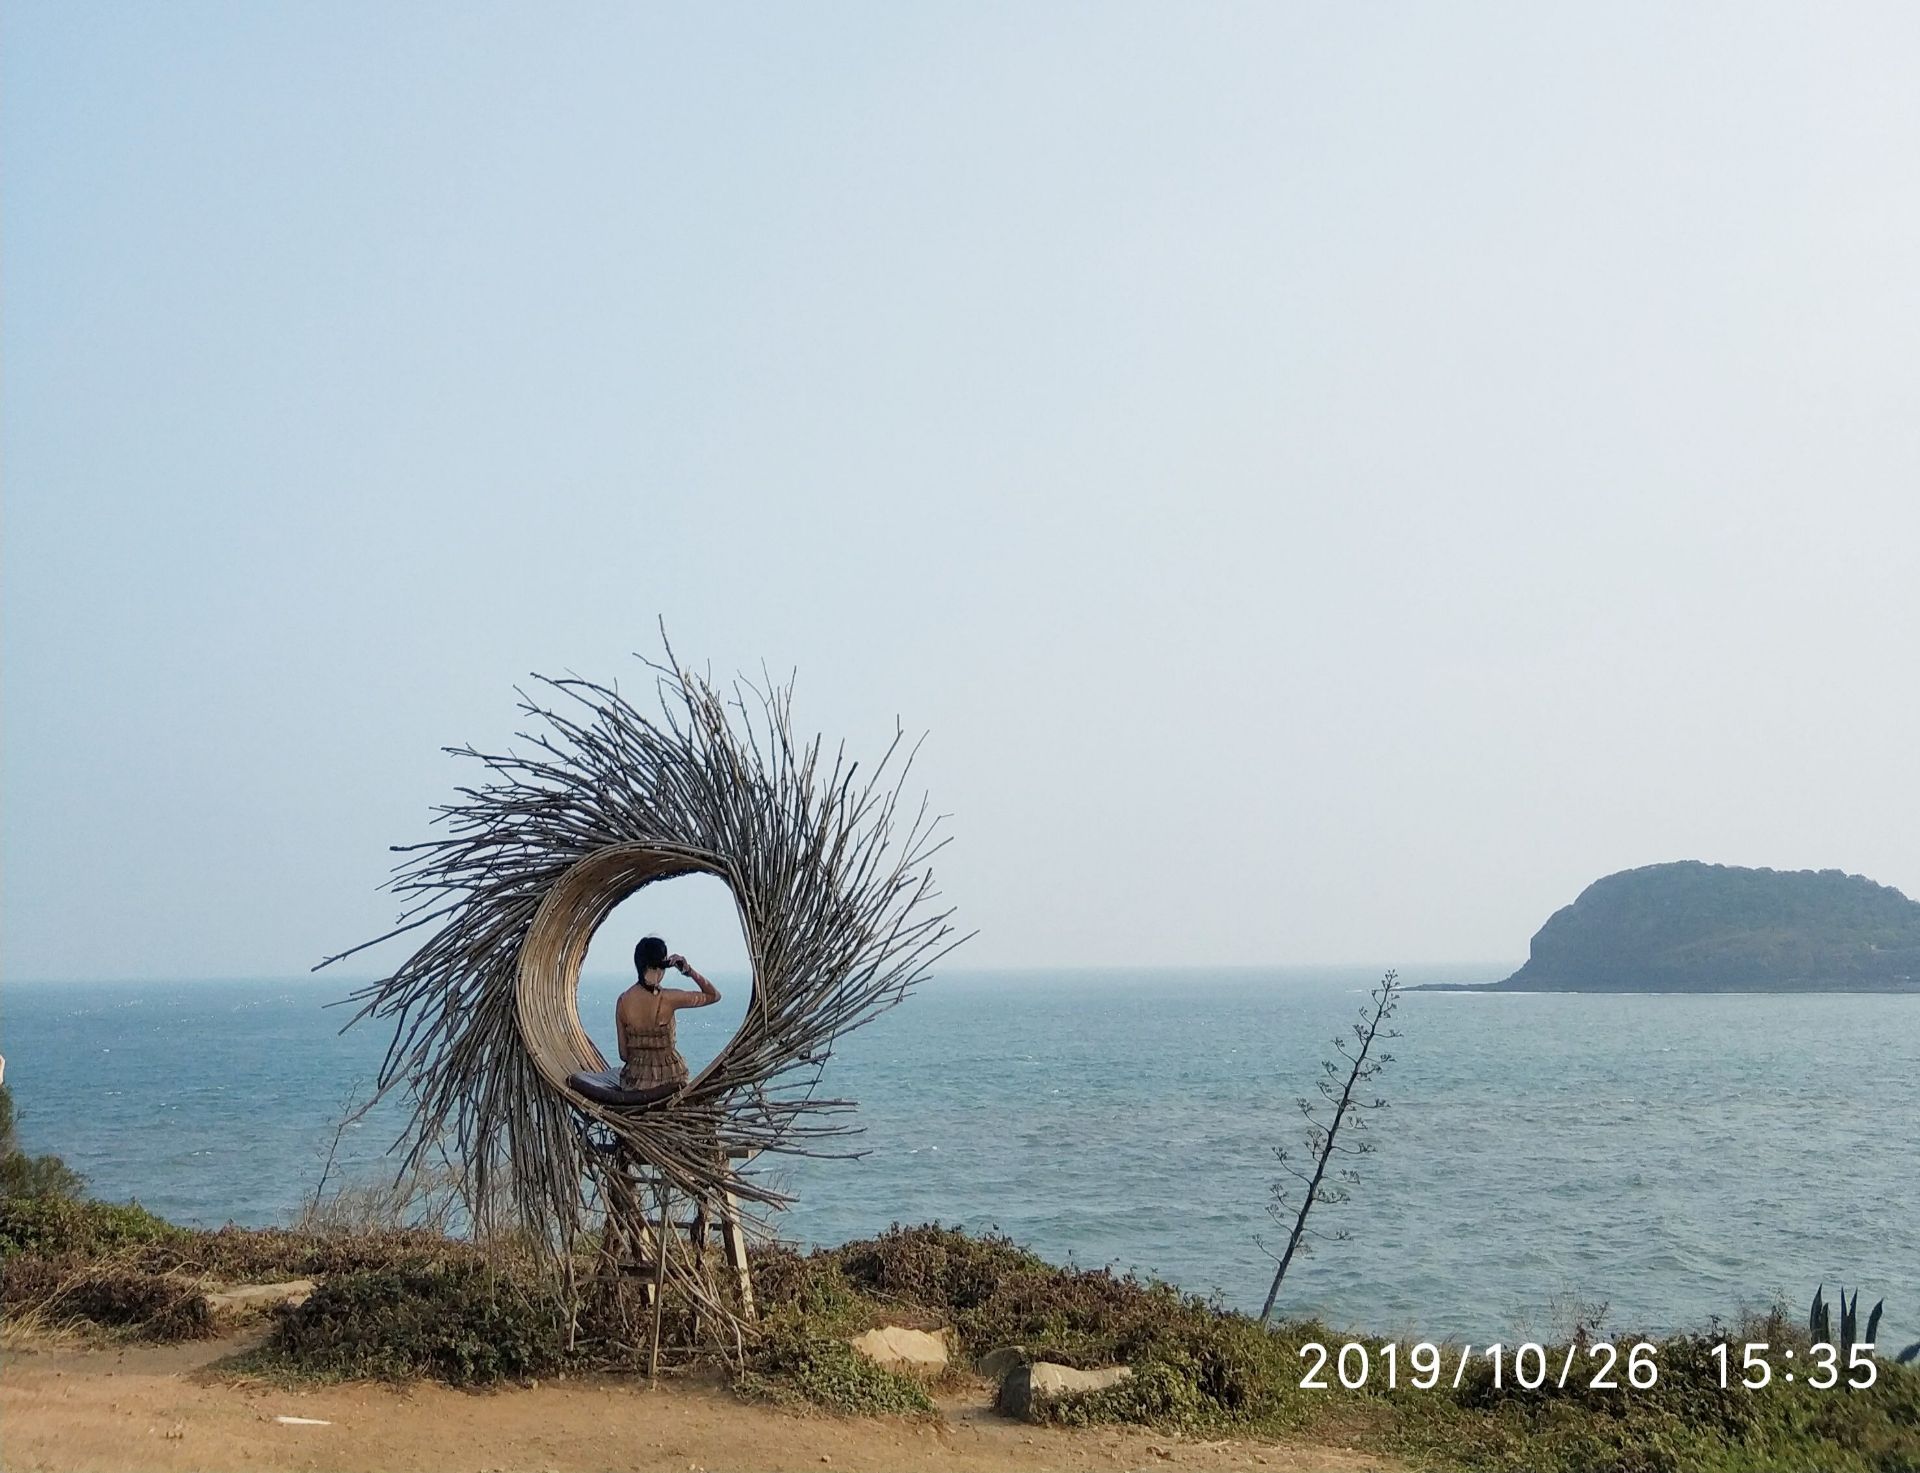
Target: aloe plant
(1820,1323)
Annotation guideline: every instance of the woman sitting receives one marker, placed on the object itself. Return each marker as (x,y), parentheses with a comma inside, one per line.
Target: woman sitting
(643,1018)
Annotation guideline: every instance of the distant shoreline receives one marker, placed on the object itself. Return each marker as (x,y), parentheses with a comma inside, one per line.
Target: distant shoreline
(1889,990)
(1686,927)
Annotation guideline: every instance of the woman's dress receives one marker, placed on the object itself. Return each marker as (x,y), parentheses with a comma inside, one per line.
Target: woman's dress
(652,1058)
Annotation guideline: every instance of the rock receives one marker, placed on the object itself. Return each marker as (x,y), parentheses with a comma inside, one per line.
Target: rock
(1026,1386)
(251,1298)
(995,1364)
(901,1349)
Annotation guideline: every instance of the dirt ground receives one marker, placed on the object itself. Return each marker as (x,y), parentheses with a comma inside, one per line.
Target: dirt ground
(161,1408)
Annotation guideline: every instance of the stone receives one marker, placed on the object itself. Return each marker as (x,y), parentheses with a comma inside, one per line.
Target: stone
(250,1298)
(995,1364)
(1026,1386)
(902,1349)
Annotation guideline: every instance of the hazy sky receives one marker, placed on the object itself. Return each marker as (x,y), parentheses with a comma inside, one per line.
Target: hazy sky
(1333,480)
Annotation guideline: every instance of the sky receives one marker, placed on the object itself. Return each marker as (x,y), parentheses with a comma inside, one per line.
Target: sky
(1329,481)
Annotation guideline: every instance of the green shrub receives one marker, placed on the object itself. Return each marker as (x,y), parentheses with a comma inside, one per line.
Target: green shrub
(1682,1422)
(1156,1394)
(1196,1366)
(22,1175)
(461,1323)
(935,1266)
(1687,1389)
(808,1285)
(829,1373)
(63,1227)
(992,1293)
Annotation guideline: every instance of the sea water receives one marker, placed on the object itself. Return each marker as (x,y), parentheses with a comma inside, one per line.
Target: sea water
(1674,1157)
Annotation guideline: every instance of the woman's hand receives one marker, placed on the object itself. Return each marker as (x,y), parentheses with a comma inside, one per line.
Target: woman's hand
(679,964)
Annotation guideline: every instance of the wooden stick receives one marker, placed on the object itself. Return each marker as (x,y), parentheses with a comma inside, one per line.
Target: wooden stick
(663,1237)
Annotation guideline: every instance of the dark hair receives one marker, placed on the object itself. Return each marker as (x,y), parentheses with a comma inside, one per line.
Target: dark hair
(651,952)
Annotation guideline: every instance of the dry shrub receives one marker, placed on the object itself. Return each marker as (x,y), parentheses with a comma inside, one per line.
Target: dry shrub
(110,1293)
(237,1255)
(426,1200)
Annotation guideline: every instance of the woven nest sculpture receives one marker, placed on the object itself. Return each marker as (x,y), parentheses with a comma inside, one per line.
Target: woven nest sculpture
(836,901)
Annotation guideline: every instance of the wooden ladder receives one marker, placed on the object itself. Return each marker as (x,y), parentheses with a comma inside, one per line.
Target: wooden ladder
(643,1246)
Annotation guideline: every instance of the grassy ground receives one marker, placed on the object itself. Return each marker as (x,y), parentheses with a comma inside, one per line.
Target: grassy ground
(401,1306)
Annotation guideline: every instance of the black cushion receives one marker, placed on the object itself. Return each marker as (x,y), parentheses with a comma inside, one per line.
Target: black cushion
(604,1088)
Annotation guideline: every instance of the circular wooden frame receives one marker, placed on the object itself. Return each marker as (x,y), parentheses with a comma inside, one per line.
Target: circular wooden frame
(835,900)
(547,984)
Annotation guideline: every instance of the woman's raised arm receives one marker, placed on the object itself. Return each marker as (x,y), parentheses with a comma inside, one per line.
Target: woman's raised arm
(707,994)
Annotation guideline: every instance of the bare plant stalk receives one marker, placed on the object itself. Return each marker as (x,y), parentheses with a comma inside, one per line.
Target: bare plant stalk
(348,1116)
(1323,1130)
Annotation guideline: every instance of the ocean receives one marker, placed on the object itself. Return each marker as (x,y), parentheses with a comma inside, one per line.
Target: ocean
(1674,1157)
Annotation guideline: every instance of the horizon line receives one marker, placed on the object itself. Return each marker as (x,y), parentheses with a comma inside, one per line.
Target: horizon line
(358,980)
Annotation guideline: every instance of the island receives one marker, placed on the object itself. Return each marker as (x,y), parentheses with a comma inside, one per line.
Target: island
(1693,927)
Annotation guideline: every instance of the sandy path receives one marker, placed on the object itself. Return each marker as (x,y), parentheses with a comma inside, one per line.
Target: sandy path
(155,1408)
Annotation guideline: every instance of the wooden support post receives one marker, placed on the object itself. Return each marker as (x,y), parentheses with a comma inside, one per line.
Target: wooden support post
(697,1236)
(638,1241)
(662,1244)
(735,1241)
